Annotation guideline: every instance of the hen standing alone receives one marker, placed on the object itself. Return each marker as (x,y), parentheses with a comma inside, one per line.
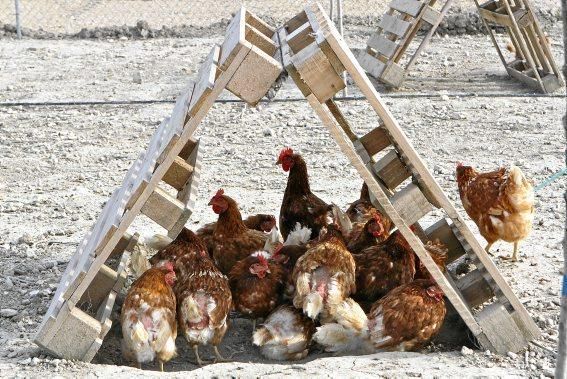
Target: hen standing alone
(148,321)
(299,204)
(501,203)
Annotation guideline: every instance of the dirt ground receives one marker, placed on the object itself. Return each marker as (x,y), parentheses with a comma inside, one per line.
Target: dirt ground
(60,163)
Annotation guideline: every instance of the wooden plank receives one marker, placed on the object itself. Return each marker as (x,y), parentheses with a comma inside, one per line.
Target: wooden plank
(121,245)
(497,18)
(163,209)
(376,140)
(500,329)
(394,25)
(288,65)
(328,32)
(178,174)
(411,204)
(382,45)
(188,194)
(474,288)
(372,65)
(431,15)
(99,289)
(256,38)
(255,76)
(205,81)
(297,21)
(393,75)
(391,170)
(300,38)
(188,148)
(316,71)
(233,39)
(259,24)
(411,7)
(443,232)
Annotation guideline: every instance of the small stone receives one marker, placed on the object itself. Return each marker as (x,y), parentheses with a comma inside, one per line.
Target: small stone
(512,355)
(34,361)
(444,97)
(268,132)
(26,361)
(466,351)
(137,77)
(8,312)
(25,239)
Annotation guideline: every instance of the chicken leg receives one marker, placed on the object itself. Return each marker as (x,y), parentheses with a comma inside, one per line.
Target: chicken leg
(219,357)
(196,350)
(139,364)
(487,248)
(514,257)
(253,325)
(160,365)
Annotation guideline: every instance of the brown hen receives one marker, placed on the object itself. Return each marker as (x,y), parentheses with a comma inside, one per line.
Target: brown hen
(187,242)
(501,203)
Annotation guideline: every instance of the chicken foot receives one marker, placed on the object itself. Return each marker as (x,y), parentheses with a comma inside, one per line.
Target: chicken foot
(199,361)
(514,257)
(219,357)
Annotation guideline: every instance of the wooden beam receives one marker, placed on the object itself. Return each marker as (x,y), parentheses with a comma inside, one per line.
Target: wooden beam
(391,170)
(178,173)
(411,7)
(372,65)
(259,24)
(382,45)
(411,204)
(376,140)
(474,288)
(443,232)
(300,38)
(260,40)
(394,25)
(500,329)
(163,209)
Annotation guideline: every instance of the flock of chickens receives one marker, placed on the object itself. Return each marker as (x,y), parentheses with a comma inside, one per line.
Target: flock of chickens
(346,281)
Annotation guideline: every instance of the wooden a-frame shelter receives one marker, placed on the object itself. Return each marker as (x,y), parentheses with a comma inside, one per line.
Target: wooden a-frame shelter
(247,63)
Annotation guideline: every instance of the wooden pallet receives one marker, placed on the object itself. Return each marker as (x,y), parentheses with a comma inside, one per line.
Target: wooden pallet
(533,63)
(401,184)
(384,58)
(161,184)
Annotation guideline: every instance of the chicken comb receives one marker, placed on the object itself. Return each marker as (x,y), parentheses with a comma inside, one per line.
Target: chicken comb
(219,193)
(262,260)
(169,266)
(285,152)
(460,164)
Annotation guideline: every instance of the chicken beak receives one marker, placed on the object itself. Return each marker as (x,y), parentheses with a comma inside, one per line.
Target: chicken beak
(210,203)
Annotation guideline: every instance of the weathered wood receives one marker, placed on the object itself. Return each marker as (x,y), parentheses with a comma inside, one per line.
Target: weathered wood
(317,72)
(99,289)
(394,25)
(411,7)
(288,65)
(260,40)
(205,80)
(382,45)
(295,22)
(391,170)
(497,18)
(376,140)
(300,38)
(163,209)
(233,39)
(411,204)
(500,329)
(372,65)
(443,232)
(187,150)
(393,75)
(178,174)
(474,288)
(259,24)
(431,15)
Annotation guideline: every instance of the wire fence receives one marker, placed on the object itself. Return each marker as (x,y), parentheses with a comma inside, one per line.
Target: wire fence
(71,18)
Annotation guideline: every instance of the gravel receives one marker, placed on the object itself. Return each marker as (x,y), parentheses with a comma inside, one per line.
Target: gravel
(62,163)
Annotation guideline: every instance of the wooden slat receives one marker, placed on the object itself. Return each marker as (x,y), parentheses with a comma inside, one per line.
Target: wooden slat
(500,329)
(376,140)
(300,38)
(101,286)
(259,24)
(328,32)
(474,288)
(394,25)
(205,81)
(411,7)
(256,38)
(288,64)
(316,71)
(431,15)
(372,65)
(411,204)
(382,45)
(295,22)
(178,174)
(393,75)
(497,18)
(163,209)
(443,232)
(391,170)
(233,39)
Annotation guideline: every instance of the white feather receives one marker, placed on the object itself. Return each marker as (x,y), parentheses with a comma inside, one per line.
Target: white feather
(300,235)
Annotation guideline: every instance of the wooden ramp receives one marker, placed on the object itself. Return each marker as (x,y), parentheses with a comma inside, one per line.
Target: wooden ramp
(161,184)
(533,63)
(315,56)
(385,57)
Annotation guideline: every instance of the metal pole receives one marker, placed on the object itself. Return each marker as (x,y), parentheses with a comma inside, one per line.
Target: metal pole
(340,27)
(18,26)
(561,365)
(331,9)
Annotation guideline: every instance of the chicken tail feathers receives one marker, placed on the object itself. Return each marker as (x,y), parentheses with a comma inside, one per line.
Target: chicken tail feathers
(299,236)
(313,305)
(261,336)
(350,315)
(336,338)
(158,241)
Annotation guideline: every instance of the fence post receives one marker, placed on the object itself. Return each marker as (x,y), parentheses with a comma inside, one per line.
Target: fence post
(340,28)
(18,26)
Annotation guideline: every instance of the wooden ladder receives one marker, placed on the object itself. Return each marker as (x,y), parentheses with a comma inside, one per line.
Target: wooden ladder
(384,57)
(161,184)
(533,63)
(482,298)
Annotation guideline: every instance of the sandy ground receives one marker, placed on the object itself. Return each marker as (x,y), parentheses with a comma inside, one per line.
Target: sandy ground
(59,165)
